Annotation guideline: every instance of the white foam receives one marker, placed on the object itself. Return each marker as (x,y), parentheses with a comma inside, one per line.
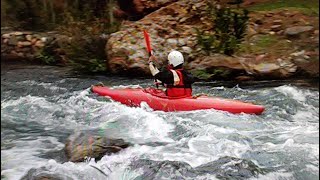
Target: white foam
(143,125)
(274,176)
(24,155)
(294,92)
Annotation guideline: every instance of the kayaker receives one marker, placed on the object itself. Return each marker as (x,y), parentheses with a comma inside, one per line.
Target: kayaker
(176,80)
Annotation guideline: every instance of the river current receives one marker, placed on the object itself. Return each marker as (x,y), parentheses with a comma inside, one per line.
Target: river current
(42,105)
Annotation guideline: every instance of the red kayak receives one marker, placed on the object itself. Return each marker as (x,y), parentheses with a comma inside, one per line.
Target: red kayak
(157,100)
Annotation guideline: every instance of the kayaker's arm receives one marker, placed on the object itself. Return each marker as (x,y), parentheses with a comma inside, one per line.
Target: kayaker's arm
(153,69)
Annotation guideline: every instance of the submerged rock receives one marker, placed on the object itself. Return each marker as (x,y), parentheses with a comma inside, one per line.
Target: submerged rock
(231,168)
(43,173)
(223,168)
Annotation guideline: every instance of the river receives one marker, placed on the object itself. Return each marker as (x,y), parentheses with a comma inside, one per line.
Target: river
(42,105)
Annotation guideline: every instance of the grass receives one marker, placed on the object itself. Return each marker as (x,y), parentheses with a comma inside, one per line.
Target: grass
(308,7)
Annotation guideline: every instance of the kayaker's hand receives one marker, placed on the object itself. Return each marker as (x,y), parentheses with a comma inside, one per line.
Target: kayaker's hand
(151,59)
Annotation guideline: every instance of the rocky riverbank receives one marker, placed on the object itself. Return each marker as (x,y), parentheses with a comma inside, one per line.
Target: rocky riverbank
(279,44)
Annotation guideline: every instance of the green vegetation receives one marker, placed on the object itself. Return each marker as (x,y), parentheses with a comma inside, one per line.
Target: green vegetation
(202,74)
(265,43)
(309,7)
(208,74)
(86,50)
(228,31)
(88,23)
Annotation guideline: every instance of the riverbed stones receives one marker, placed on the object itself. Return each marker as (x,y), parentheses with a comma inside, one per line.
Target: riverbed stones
(25,44)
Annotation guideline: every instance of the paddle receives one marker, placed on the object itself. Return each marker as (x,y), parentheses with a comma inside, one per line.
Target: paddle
(149,49)
(148,44)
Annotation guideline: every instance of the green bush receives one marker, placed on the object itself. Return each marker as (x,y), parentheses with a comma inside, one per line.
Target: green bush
(228,31)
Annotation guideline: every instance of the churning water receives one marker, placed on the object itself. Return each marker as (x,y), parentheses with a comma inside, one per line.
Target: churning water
(42,106)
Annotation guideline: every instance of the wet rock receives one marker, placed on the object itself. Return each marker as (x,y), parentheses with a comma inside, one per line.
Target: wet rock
(92,144)
(231,168)
(55,171)
(43,173)
(223,168)
(163,169)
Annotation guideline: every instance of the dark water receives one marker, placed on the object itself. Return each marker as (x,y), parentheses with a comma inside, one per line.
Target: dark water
(42,106)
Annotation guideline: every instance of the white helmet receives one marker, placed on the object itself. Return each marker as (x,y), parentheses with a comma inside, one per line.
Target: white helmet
(175,58)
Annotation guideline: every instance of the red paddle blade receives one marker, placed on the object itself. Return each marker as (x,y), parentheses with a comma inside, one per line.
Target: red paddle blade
(147,39)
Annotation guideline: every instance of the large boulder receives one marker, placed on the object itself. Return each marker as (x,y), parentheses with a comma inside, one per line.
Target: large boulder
(222,66)
(83,145)
(171,27)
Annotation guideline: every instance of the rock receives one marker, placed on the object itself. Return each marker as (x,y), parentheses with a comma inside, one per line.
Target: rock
(280,32)
(13,41)
(24,43)
(260,57)
(258,21)
(172,42)
(92,144)
(43,173)
(282,69)
(20,54)
(269,14)
(244,78)
(5,41)
(300,60)
(300,53)
(34,40)
(216,60)
(29,37)
(296,30)
(166,33)
(39,43)
(17,33)
(231,168)
(276,28)
(182,42)
(186,49)
(277,22)
(44,39)
(7,35)
(222,168)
